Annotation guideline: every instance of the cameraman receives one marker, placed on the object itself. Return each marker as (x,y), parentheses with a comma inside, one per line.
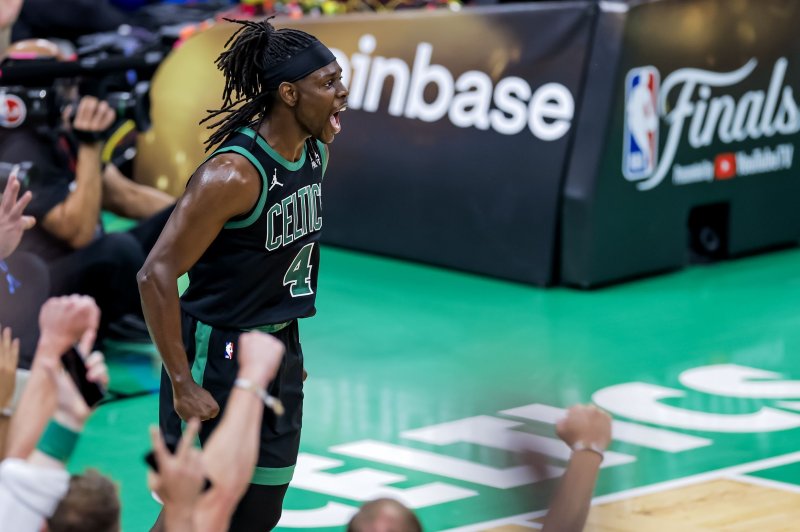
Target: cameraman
(68,196)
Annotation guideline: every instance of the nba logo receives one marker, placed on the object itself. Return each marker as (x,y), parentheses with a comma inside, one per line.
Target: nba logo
(640,140)
(12,111)
(229,350)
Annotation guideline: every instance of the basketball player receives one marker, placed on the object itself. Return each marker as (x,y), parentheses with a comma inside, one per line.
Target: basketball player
(247,230)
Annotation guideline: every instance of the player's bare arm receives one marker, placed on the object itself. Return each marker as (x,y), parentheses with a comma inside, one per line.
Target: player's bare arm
(221,189)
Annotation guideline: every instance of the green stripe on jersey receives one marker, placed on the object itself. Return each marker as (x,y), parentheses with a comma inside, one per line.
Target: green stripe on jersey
(289,165)
(262,198)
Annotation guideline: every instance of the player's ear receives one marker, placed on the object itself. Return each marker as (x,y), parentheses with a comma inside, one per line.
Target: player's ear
(288,93)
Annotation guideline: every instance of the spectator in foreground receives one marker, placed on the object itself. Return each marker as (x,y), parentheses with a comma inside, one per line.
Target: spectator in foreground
(9,353)
(178,483)
(26,288)
(384,515)
(586,430)
(36,491)
(25,282)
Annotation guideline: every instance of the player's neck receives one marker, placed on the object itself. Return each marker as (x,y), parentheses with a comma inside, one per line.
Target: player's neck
(284,136)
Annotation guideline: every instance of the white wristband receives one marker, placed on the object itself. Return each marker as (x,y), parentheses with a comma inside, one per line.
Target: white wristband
(270,402)
(591,447)
(7,412)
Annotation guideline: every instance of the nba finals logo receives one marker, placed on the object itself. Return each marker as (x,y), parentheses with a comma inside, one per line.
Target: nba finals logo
(641,123)
(705,111)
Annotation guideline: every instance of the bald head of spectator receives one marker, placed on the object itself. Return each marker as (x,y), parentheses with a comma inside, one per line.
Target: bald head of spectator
(384,515)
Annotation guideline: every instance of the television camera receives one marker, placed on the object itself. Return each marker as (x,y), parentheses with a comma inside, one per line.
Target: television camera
(115,67)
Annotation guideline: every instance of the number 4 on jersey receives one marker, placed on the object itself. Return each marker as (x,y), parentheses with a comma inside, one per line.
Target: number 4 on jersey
(298,276)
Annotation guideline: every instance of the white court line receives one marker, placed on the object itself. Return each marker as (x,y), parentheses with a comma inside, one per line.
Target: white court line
(767,483)
(740,469)
(527,524)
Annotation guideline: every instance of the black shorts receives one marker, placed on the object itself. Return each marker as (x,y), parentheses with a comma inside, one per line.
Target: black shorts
(214,367)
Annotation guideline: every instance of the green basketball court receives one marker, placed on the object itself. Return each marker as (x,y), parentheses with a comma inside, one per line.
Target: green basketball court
(697,365)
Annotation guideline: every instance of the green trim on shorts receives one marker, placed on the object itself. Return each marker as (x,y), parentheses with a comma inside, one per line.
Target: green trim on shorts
(201,336)
(275,327)
(272,476)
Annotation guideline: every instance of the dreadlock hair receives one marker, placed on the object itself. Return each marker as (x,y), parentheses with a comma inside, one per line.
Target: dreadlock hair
(255,48)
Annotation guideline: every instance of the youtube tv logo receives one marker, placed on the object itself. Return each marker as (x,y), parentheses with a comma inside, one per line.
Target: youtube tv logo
(725,166)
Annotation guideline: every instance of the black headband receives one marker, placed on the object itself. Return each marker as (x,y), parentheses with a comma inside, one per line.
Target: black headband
(298,66)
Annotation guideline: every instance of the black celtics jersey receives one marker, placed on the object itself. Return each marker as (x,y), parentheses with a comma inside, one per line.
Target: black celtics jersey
(262,267)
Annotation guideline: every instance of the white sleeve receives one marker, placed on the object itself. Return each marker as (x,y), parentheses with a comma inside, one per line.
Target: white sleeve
(29,494)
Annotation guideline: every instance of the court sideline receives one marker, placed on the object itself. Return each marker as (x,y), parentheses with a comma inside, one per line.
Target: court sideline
(423,382)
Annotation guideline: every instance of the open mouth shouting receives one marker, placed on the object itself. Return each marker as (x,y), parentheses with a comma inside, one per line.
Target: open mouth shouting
(336,124)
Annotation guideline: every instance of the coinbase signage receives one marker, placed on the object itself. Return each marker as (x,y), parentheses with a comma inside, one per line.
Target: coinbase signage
(456,134)
(508,107)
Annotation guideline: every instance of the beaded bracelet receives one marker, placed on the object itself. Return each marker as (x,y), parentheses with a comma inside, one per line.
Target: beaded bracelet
(270,402)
